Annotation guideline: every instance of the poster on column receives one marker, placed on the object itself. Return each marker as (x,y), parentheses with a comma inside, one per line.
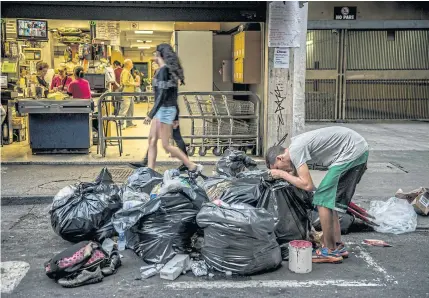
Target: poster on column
(283,24)
(281,58)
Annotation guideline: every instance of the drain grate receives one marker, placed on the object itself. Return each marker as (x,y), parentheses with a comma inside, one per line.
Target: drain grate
(120,175)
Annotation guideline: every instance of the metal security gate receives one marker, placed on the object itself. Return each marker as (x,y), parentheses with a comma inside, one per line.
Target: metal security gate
(354,75)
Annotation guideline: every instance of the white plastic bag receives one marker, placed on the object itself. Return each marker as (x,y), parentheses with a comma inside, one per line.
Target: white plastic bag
(394,216)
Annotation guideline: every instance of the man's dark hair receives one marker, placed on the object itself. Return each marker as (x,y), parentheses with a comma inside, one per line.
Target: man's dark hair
(116,63)
(272,153)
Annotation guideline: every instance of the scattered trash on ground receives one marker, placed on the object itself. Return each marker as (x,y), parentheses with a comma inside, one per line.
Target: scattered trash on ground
(81,264)
(419,198)
(300,256)
(199,268)
(395,216)
(375,242)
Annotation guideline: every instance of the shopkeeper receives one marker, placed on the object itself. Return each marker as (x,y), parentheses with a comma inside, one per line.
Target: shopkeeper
(42,70)
(79,87)
(61,81)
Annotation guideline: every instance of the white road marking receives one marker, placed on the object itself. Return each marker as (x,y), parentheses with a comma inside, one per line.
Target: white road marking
(360,253)
(11,275)
(269,284)
(363,254)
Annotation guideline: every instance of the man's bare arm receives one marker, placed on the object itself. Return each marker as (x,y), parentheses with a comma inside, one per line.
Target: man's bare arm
(303,180)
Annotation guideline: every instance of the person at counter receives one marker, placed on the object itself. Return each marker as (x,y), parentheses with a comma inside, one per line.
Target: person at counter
(42,69)
(79,87)
(61,81)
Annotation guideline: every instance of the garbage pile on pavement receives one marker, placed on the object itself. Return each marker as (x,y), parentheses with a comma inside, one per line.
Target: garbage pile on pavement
(238,221)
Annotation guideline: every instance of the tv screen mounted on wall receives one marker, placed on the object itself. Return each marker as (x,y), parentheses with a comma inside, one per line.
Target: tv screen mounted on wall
(32,29)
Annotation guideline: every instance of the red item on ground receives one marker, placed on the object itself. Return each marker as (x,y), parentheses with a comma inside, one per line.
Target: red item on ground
(375,242)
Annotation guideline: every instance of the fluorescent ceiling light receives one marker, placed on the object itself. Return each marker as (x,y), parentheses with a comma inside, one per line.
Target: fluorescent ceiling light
(138,40)
(148,41)
(143,32)
(146,47)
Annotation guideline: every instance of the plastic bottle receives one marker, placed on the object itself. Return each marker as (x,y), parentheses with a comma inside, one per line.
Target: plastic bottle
(121,241)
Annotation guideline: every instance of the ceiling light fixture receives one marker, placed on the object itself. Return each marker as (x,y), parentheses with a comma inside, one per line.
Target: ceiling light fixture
(143,32)
(148,41)
(146,47)
(138,40)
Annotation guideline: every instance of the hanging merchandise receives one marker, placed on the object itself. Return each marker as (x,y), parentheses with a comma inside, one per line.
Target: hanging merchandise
(79,211)
(109,51)
(68,54)
(80,51)
(238,238)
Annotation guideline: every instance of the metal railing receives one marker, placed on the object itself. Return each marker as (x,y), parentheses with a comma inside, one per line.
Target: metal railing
(101,119)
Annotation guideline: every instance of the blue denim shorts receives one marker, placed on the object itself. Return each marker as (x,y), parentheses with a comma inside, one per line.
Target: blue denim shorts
(166,115)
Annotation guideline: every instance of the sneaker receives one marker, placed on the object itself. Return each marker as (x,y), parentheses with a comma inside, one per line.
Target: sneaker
(137,165)
(197,171)
(114,263)
(83,278)
(325,255)
(182,168)
(341,248)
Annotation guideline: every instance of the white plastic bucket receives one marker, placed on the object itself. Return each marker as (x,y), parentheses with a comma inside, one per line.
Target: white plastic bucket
(300,256)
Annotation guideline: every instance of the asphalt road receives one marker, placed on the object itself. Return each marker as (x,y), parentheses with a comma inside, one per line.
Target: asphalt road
(399,271)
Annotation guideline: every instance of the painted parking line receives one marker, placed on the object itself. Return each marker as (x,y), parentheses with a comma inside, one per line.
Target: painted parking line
(11,275)
(358,251)
(269,284)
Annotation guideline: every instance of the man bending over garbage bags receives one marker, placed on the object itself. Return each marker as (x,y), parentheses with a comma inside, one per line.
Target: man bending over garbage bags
(345,152)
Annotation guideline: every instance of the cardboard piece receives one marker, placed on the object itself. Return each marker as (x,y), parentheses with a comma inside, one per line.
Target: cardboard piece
(412,195)
(421,203)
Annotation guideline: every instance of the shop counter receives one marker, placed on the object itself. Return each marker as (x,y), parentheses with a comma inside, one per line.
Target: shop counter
(58,126)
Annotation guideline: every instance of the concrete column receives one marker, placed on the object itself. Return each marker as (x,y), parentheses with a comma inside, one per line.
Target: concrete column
(285,103)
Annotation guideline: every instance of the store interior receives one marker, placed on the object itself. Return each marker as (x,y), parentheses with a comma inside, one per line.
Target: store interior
(208,53)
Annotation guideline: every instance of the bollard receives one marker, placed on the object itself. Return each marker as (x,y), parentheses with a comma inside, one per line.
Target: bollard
(300,256)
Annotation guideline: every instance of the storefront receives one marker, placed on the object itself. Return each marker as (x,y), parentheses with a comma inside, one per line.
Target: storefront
(216,56)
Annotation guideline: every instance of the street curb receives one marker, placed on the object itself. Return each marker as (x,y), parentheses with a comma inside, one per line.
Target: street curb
(26,200)
(107,163)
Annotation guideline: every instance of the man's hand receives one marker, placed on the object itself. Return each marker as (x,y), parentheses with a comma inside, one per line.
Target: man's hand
(175,124)
(276,174)
(147,120)
(303,180)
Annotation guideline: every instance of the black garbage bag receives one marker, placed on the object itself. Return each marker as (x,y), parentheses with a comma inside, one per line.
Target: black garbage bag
(228,190)
(164,226)
(346,221)
(140,184)
(239,238)
(291,208)
(262,174)
(106,231)
(233,162)
(79,211)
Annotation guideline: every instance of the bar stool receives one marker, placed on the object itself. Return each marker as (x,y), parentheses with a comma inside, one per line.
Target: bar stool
(117,124)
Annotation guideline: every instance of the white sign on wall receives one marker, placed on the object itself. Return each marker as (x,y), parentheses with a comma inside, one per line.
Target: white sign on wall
(281,58)
(283,24)
(108,30)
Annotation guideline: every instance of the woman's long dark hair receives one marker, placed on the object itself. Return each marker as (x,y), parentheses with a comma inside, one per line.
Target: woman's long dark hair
(171,61)
(78,72)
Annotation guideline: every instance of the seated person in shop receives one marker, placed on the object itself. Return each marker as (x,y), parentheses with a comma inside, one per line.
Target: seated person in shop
(345,152)
(79,87)
(61,81)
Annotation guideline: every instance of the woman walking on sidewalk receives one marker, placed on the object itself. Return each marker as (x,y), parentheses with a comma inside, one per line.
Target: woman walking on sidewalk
(164,111)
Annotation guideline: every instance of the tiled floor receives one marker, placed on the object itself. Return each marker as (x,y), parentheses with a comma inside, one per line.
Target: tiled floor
(133,150)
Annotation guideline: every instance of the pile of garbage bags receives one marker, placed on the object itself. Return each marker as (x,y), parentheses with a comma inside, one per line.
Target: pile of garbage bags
(246,218)
(83,211)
